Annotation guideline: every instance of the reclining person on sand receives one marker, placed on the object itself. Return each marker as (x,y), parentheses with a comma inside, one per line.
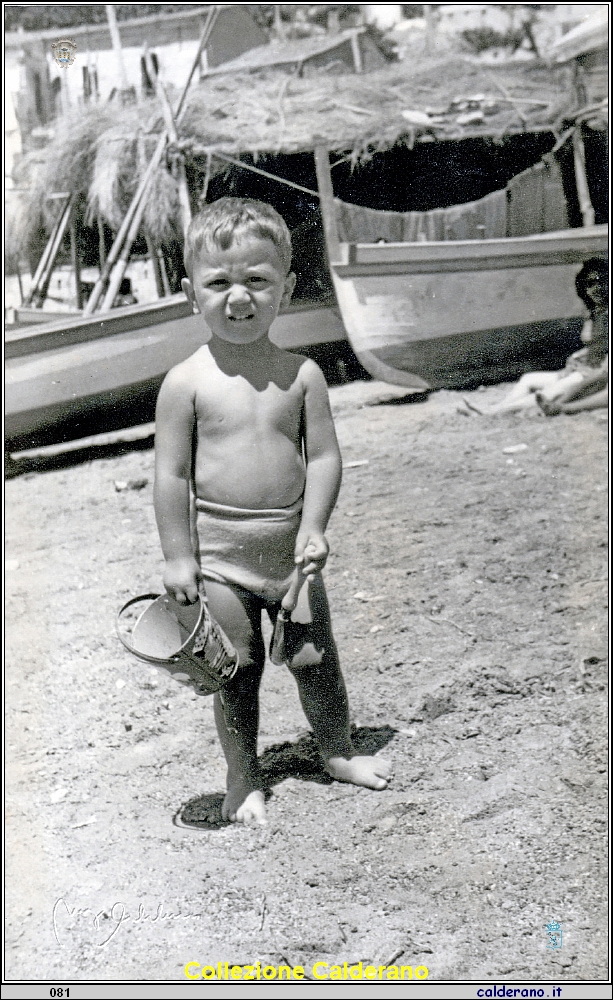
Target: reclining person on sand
(584,383)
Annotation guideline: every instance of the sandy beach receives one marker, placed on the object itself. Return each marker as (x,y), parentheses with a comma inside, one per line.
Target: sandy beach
(468,595)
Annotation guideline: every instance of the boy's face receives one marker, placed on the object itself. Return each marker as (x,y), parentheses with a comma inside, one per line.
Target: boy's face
(239,291)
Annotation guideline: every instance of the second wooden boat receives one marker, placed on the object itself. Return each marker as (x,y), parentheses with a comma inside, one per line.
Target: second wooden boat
(443,314)
(76,377)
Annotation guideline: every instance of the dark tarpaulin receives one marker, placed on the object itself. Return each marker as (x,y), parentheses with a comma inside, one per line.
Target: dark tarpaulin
(536,202)
(533,202)
(482,219)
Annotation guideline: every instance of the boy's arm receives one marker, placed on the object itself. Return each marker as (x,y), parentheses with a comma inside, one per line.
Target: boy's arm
(323,471)
(174,426)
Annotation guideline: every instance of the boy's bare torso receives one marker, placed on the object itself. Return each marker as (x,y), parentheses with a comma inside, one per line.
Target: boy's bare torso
(248,442)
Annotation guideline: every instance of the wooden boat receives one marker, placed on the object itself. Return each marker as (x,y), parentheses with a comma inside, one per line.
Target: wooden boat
(444,314)
(75,377)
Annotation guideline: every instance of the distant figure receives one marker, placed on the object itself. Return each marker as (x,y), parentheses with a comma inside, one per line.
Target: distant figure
(125,296)
(583,384)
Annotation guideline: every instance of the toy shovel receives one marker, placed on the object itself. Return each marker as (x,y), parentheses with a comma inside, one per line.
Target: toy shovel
(278,653)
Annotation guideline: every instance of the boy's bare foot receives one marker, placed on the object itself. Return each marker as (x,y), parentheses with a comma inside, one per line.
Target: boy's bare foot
(368,771)
(241,806)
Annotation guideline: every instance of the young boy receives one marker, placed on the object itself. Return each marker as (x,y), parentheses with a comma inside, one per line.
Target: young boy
(247,427)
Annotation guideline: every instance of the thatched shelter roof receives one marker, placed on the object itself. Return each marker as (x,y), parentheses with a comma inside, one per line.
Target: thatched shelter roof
(103,150)
(273,112)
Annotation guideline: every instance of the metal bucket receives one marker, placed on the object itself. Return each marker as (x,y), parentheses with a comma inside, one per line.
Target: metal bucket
(181,638)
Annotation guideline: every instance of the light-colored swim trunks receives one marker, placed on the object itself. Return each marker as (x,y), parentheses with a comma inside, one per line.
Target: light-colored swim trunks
(252,549)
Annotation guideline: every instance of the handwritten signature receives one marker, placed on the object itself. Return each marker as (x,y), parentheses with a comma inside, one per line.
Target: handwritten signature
(109,920)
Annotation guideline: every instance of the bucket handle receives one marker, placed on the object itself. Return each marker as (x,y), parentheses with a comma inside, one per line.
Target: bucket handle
(132,649)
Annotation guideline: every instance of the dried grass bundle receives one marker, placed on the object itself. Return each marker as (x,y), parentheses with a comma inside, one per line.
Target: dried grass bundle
(114,177)
(122,151)
(101,153)
(64,165)
(162,218)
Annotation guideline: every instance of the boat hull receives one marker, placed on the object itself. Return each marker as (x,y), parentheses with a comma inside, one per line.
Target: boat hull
(70,380)
(452,314)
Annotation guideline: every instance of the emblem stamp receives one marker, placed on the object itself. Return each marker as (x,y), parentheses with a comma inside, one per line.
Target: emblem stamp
(64,52)
(554,934)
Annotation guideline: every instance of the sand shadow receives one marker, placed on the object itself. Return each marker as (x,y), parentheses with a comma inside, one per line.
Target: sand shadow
(300,760)
(411,397)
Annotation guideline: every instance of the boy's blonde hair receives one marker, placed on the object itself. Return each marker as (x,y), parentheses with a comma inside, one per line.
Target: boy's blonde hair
(217,226)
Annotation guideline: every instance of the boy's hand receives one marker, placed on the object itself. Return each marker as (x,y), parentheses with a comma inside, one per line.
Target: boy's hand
(182,579)
(312,552)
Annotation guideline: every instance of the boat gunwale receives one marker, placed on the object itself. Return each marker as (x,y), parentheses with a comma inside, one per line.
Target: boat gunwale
(565,246)
(125,319)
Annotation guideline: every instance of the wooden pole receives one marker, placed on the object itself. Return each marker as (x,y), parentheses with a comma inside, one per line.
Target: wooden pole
(119,268)
(36,277)
(101,244)
(207,180)
(162,263)
(76,260)
(356,52)
(155,264)
(585,202)
(326,200)
(116,42)
(40,293)
(277,23)
(204,37)
(160,90)
(428,14)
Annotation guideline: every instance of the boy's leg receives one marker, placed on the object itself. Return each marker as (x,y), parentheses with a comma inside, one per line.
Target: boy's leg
(236,706)
(313,660)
